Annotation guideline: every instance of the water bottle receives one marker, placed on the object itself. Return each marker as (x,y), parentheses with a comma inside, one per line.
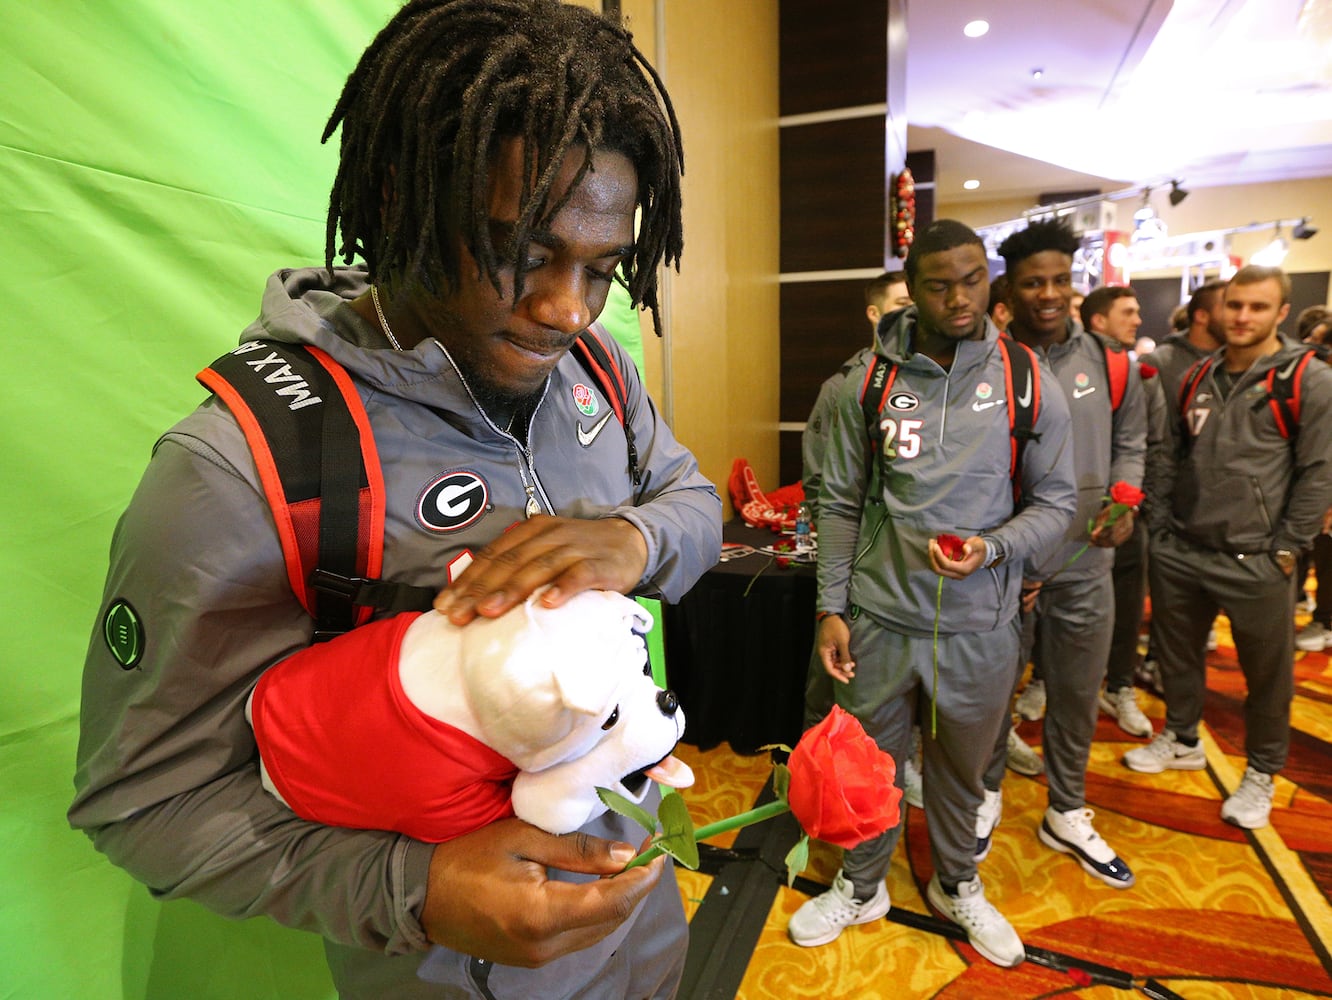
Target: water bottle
(804,541)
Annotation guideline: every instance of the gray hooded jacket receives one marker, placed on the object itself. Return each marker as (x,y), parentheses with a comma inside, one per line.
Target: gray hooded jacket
(1231,481)
(167,783)
(950,474)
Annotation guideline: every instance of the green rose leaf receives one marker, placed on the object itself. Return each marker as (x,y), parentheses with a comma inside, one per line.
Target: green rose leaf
(677,832)
(617,803)
(781,781)
(797,859)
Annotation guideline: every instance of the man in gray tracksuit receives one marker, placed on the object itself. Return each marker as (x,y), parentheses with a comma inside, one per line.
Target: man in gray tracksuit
(1073,616)
(1239,499)
(941,464)
(505,468)
(207,580)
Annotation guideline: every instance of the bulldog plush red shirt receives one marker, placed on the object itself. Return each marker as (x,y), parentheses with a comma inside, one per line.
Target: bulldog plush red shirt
(409,772)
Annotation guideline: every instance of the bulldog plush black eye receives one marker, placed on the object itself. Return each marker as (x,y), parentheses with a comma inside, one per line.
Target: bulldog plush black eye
(647,669)
(614,718)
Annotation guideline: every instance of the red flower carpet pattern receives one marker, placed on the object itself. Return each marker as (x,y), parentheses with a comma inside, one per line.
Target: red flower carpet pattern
(1217,912)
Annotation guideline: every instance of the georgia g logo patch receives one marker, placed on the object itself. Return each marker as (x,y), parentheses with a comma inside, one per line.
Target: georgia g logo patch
(452,500)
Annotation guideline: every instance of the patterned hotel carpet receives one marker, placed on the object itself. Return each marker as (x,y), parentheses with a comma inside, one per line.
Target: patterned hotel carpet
(1217,912)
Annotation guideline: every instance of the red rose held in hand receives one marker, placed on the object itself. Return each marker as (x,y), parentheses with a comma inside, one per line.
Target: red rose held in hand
(951,546)
(1129,496)
(842,789)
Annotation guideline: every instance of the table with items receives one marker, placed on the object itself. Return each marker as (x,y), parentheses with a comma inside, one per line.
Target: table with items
(738,644)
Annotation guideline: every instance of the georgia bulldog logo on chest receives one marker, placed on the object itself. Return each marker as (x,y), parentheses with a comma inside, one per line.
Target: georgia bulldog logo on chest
(452,501)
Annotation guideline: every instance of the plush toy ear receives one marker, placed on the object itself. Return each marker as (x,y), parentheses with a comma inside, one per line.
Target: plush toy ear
(582,689)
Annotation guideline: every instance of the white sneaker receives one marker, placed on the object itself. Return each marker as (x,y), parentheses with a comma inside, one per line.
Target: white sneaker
(1165,751)
(1022,758)
(987,818)
(1071,832)
(913,785)
(824,917)
(1313,638)
(1122,705)
(987,929)
(1030,703)
(1251,804)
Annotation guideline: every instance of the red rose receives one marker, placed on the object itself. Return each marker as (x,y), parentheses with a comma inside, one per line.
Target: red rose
(1147,370)
(1129,496)
(842,789)
(951,546)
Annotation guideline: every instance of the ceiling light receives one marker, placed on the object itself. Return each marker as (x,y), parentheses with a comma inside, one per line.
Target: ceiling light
(974,29)
(971,185)
(1303,230)
(1177,194)
(1036,74)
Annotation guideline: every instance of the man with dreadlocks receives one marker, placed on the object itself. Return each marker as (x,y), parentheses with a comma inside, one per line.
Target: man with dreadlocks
(493,156)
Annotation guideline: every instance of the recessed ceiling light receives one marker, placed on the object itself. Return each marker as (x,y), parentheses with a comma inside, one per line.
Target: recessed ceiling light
(974,29)
(1037,73)
(971,185)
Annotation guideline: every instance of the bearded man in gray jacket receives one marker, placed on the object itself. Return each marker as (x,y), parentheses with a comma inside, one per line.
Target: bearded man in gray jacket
(1243,489)
(493,157)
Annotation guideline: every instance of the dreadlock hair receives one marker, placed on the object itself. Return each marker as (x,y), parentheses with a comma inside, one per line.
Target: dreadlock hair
(425,109)
(1048,234)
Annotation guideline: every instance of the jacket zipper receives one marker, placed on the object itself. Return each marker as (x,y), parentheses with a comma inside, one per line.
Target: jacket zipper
(537,500)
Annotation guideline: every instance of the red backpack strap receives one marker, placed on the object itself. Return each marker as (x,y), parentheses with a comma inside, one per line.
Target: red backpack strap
(312,444)
(1117,372)
(874,391)
(1188,385)
(1284,387)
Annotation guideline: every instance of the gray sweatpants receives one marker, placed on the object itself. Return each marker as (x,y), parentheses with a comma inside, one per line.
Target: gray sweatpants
(893,671)
(1189,584)
(1072,628)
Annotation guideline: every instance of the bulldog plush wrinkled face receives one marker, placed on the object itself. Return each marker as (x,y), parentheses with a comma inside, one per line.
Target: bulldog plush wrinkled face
(548,684)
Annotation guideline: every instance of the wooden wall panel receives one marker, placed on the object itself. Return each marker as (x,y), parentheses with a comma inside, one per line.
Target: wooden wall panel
(832,191)
(823,324)
(831,57)
(791,462)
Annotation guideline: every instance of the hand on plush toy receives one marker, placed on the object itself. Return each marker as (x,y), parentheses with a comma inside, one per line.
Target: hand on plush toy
(568,554)
(534,919)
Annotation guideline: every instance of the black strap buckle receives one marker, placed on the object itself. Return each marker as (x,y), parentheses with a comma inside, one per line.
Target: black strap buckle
(382,595)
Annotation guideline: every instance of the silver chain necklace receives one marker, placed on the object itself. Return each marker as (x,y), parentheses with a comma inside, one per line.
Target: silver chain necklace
(379,311)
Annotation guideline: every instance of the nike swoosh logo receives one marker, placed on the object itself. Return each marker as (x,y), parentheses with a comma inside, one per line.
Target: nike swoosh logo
(1079,393)
(585,438)
(979,407)
(1025,399)
(1289,370)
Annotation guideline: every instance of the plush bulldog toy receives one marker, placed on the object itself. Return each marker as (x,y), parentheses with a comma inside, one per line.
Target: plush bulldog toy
(416,725)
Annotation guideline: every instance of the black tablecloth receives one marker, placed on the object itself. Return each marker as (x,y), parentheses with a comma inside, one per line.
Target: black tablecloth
(737,661)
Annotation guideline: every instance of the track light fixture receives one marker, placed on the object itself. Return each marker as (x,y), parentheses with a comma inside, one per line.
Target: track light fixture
(1302,230)
(1177,193)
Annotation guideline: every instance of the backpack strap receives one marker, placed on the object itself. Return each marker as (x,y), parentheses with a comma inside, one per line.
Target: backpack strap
(1022,389)
(1116,372)
(600,364)
(1283,392)
(874,391)
(312,445)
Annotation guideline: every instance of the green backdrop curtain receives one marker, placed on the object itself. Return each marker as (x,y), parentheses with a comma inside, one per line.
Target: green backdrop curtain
(158,160)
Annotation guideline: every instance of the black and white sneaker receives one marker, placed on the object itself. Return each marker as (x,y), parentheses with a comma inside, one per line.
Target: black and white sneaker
(1072,833)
